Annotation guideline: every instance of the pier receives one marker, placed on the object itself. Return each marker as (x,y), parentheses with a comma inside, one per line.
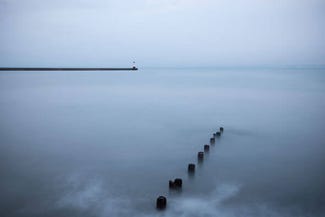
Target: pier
(65,69)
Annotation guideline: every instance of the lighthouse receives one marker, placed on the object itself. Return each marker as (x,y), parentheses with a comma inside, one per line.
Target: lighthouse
(134,67)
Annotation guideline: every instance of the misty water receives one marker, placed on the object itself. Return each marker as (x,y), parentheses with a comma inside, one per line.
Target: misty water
(106,143)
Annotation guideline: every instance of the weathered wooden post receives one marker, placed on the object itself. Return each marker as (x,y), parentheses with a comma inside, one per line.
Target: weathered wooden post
(206,148)
(178,183)
(171,184)
(191,168)
(161,202)
(200,156)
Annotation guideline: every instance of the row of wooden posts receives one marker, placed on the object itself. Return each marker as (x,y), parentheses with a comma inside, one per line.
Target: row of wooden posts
(161,202)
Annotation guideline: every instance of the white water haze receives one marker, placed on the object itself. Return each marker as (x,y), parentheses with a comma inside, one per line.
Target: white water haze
(106,143)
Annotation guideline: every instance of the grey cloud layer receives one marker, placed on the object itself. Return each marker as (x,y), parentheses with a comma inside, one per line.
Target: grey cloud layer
(168,32)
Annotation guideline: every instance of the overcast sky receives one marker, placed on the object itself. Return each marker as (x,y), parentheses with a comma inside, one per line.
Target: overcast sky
(161,32)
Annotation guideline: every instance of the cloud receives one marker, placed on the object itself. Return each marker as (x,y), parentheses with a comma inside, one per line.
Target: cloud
(88,195)
(84,194)
(174,5)
(203,206)
(81,194)
(166,32)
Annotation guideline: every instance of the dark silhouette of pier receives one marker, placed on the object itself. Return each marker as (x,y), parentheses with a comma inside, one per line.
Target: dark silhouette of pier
(65,69)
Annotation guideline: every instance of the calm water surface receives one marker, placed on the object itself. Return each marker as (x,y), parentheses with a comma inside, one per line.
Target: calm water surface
(106,143)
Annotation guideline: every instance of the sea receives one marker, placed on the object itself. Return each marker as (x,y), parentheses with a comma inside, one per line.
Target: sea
(106,143)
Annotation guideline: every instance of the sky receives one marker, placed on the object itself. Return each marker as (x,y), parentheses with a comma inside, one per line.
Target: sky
(161,33)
